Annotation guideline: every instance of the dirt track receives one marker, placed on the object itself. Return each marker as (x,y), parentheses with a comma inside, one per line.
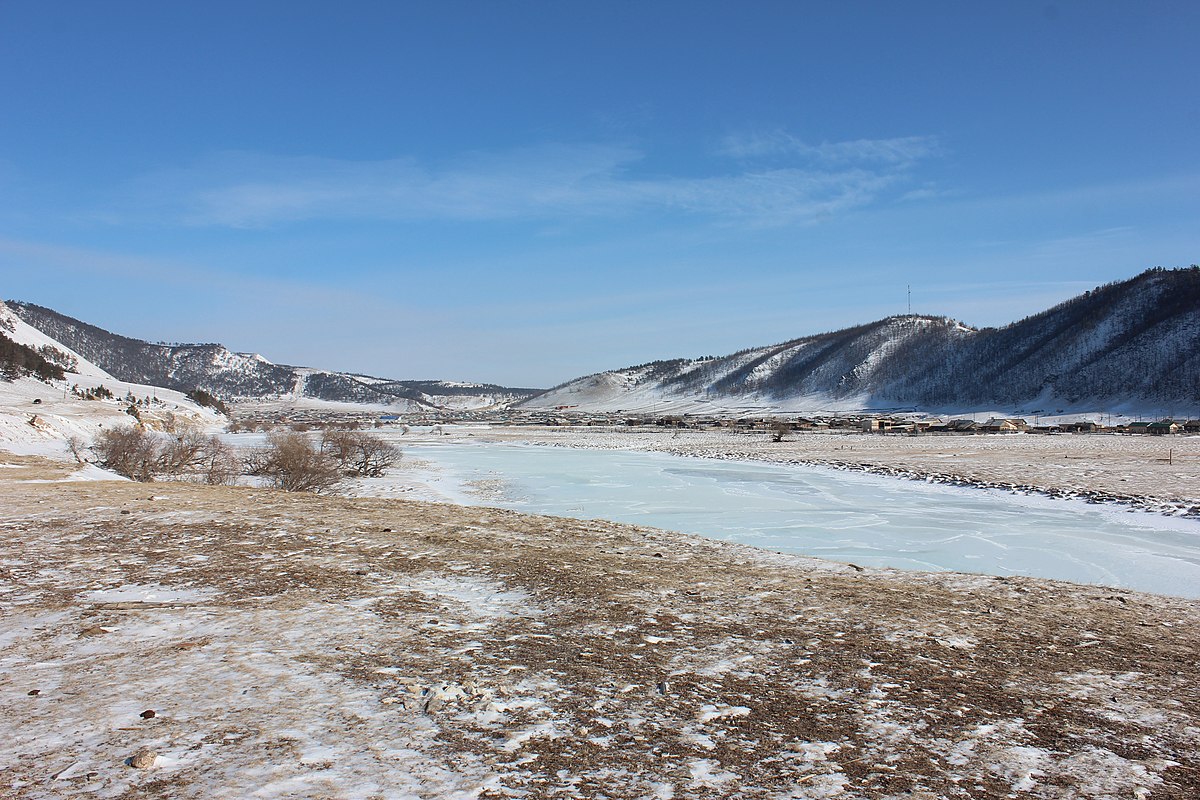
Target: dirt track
(325,647)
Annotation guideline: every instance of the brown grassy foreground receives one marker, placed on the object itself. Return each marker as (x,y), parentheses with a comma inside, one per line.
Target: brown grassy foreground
(303,646)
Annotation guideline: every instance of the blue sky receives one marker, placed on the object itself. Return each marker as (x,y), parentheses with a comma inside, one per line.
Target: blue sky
(524,192)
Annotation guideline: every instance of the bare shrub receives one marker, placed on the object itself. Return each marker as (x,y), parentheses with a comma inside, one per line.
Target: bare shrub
(359,453)
(130,451)
(292,462)
(182,453)
(197,457)
(375,456)
(219,464)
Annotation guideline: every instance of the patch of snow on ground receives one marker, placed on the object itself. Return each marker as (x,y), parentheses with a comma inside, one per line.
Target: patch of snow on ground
(131,593)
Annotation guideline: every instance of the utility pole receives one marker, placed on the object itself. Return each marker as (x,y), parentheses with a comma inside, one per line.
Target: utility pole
(910,299)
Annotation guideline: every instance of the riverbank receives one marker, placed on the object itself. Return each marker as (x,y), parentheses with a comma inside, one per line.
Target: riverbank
(1159,474)
(304,646)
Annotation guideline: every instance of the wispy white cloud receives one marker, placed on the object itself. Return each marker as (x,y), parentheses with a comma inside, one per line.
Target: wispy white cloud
(899,151)
(539,183)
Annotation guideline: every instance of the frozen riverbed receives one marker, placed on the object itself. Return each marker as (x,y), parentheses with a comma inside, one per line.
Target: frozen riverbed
(863,519)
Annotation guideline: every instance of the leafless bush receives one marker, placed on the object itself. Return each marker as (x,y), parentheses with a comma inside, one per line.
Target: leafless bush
(182,453)
(140,454)
(194,456)
(292,462)
(219,465)
(360,453)
(130,451)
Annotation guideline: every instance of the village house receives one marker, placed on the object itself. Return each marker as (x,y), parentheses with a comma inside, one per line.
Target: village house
(1000,425)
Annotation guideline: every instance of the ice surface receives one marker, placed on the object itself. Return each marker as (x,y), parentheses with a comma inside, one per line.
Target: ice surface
(859,518)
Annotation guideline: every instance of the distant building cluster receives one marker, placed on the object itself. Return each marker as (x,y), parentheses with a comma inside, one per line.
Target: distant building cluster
(868,423)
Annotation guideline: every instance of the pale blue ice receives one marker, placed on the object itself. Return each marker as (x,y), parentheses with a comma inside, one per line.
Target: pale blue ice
(845,516)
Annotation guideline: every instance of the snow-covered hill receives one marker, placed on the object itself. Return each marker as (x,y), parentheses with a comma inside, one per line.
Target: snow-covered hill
(54,351)
(1132,345)
(248,376)
(37,417)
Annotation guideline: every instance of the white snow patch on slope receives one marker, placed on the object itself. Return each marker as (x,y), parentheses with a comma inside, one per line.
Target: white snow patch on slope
(22,332)
(42,428)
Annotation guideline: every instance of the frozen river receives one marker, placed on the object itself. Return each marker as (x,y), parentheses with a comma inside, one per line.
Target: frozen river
(846,516)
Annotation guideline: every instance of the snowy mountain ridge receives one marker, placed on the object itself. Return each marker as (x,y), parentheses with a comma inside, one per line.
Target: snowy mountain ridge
(248,376)
(1133,344)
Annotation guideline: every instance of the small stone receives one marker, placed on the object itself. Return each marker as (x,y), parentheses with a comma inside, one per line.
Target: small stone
(125,511)
(148,714)
(143,759)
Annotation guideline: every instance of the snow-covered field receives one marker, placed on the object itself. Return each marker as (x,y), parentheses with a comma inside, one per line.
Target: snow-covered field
(325,647)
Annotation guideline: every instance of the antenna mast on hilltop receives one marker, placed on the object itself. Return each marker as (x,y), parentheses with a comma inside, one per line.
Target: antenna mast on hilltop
(910,299)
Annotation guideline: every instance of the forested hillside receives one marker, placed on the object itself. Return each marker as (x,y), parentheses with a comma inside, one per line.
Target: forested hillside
(1134,342)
